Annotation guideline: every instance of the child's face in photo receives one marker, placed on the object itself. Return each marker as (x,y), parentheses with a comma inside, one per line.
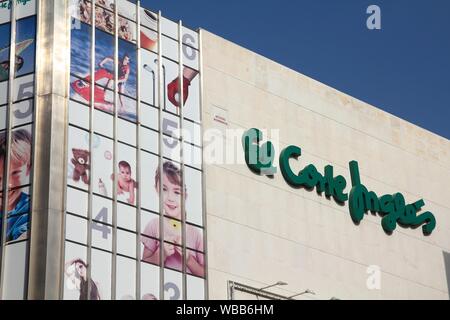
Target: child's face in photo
(172,198)
(17,171)
(125,173)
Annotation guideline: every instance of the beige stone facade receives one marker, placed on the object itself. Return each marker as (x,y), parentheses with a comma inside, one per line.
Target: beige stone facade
(260,230)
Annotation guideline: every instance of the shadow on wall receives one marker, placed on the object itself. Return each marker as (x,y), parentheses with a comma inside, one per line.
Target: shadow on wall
(447,269)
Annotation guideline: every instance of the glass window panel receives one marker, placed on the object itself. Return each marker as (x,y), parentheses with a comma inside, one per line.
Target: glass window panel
(79,114)
(80,51)
(171,149)
(127,9)
(80,90)
(3,110)
(190,57)
(170,48)
(108,4)
(18,220)
(25,9)
(149,140)
(192,104)
(149,166)
(194,200)
(14,273)
(20,156)
(149,250)
(149,19)
(149,282)
(127,29)
(76,229)
(173,285)
(25,46)
(127,108)
(149,222)
(169,28)
(101,236)
(171,83)
(75,272)
(101,273)
(104,19)
(195,288)
(173,256)
(149,39)
(103,165)
(24,87)
(5,38)
(171,126)
(126,279)
(4,92)
(190,37)
(77,202)
(102,209)
(126,243)
(126,217)
(149,78)
(192,156)
(81,9)
(192,132)
(79,158)
(103,123)
(126,174)
(172,231)
(126,132)
(195,263)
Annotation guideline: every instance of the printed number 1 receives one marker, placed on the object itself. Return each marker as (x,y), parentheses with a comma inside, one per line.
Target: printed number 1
(102,217)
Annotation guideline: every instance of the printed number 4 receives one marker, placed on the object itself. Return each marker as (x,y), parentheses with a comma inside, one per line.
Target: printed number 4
(102,217)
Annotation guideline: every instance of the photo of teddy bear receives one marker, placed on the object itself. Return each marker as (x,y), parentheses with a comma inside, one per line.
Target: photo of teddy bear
(81,162)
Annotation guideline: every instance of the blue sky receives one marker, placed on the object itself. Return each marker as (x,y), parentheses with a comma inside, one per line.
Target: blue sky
(404,68)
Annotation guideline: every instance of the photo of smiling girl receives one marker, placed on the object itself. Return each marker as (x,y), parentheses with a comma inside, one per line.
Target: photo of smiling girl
(172,193)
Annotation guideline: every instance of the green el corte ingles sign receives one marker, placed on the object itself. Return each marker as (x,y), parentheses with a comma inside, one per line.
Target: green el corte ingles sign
(392,208)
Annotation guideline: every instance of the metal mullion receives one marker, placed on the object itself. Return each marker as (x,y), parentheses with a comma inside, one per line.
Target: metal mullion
(115,142)
(6,162)
(204,214)
(33,146)
(91,149)
(138,152)
(161,96)
(181,141)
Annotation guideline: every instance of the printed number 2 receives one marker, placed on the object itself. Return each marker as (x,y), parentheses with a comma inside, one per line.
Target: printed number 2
(175,290)
(102,217)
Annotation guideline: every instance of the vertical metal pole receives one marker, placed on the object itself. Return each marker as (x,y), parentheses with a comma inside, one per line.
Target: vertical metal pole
(183,180)
(138,152)
(115,131)
(8,132)
(161,100)
(91,149)
(205,222)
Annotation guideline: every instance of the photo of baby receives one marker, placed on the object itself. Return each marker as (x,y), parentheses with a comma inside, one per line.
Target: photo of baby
(125,182)
(18,207)
(172,191)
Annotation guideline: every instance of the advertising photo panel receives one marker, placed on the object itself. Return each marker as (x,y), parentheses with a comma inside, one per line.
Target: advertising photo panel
(126,278)
(23,9)
(15,271)
(149,78)
(5,38)
(75,273)
(149,194)
(79,159)
(101,272)
(80,50)
(103,166)
(126,175)
(173,285)
(149,281)
(25,46)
